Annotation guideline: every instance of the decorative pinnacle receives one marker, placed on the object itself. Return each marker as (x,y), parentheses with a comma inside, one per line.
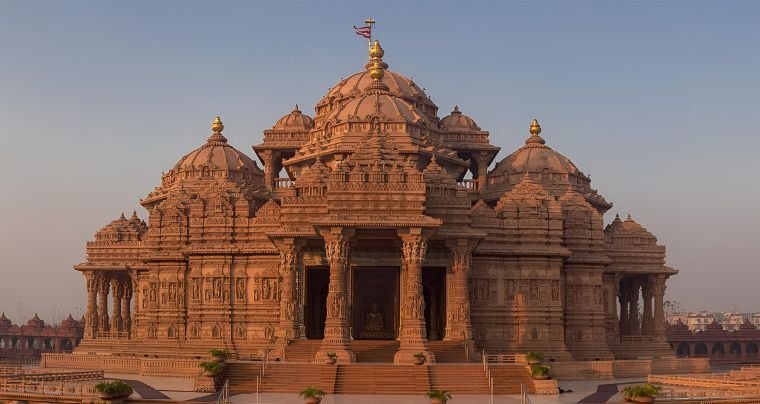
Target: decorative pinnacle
(535,128)
(456,110)
(376,67)
(295,109)
(217,126)
(535,140)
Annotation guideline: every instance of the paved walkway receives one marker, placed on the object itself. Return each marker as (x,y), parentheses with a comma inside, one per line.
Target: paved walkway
(145,391)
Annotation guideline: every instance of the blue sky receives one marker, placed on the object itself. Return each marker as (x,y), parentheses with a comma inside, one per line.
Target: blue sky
(658,101)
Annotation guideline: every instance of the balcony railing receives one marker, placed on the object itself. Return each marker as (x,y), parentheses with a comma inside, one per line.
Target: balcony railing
(280,183)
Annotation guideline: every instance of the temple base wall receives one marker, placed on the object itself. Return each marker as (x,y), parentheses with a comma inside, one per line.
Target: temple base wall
(608,370)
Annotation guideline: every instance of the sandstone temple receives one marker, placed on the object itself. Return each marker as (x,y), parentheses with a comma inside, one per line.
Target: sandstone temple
(376,219)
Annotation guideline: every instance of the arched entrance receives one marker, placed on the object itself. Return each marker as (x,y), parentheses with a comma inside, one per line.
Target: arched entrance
(66,345)
(718,349)
(683,350)
(752,350)
(735,349)
(700,349)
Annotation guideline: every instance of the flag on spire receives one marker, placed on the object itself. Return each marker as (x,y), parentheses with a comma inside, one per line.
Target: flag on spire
(364,31)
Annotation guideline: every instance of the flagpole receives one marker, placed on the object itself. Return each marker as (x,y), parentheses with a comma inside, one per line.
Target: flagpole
(370,22)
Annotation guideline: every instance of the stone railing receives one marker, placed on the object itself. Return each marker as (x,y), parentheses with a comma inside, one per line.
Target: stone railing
(279,183)
(577,370)
(471,185)
(115,364)
(42,391)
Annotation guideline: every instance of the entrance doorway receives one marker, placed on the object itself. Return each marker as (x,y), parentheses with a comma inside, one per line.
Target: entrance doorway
(434,289)
(315,310)
(375,302)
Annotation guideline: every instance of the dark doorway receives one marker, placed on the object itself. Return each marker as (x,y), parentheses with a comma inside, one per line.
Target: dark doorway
(315,307)
(375,302)
(434,289)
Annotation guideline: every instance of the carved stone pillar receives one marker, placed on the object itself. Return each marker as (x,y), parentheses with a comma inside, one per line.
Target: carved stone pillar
(337,334)
(91,317)
(647,326)
(116,293)
(103,287)
(624,297)
(413,336)
(634,327)
(482,171)
(134,315)
(659,310)
(458,324)
(126,312)
(289,257)
(266,156)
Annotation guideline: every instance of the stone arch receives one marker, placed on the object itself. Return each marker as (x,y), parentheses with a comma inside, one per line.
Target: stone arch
(216,331)
(700,349)
(683,350)
(48,344)
(171,332)
(718,348)
(751,349)
(735,349)
(67,345)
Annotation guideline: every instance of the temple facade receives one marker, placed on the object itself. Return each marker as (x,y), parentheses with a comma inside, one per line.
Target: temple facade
(31,340)
(376,220)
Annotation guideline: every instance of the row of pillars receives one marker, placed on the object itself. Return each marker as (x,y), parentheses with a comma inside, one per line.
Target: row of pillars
(651,289)
(97,320)
(412,332)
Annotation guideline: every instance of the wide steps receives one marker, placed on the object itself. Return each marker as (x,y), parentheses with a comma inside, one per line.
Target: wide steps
(508,378)
(283,378)
(374,351)
(466,379)
(302,351)
(448,351)
(382,379)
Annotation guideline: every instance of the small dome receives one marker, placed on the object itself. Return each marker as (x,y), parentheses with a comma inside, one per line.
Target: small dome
(4,322)
(629,231)
(214,160)
(459,122)
(35,321)
(70,322)
(295,121)
(122,229)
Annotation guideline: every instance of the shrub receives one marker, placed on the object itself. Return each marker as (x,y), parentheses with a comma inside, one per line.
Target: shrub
(220,353)
(648,390)
(539,370)
(419,355)
(212,367)
(312,391)
(116,388)
(442,395)
(534,356)
(332,355)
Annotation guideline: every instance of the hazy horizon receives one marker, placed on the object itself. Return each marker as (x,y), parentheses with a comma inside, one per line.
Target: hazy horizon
(657,101)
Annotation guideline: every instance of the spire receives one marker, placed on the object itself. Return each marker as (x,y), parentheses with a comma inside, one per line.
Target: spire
(535,130)
(376,67)
(134,215)
(217,127)
(296,110)
(456,110)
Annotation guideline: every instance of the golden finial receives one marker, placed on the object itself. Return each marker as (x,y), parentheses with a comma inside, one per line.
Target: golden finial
(217,126)
(376,68)
(535,128)
(376,51)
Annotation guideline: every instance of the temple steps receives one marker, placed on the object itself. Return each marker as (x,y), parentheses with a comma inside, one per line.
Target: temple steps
(448,351)
(507,379)
(280,377)
(374,351)
(302,350)
(465,379)
(382,379)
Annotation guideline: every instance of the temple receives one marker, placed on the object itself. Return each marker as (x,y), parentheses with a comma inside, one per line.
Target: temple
(376,220)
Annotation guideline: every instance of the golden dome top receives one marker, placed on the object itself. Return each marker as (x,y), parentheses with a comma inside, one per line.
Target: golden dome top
(534,140)
(376,51)
(376,66)
(217,127)
(535,128)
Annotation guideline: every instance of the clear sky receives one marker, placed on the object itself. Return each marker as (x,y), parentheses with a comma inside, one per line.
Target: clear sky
(658,101)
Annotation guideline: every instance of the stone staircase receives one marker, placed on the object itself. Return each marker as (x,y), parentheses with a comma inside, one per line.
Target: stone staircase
(302,350)
(507,379)
(375,351)
(382,379)
(459,379)
(448,351)
(280,377)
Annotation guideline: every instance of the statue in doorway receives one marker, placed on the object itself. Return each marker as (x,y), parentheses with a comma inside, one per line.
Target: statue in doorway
(374,320)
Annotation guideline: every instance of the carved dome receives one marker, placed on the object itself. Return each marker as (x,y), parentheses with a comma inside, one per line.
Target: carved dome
(35,321)
(295,121)
(456,121)
(122,229)
(377,103)
(628,232)
(214,160)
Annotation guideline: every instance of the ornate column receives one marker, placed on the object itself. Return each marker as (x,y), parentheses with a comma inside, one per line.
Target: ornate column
(659,310)
(482,160)
(413,336)
(337,337)
(126,299)
(134,315)
(289,257)
(266,156)
(116,292)
(458,324)
(634,327)
(103,286)
(647,328)
(624,296)
(91,317)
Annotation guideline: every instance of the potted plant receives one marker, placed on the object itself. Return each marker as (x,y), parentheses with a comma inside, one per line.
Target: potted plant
(641,393)
(534,358)
(211,368)
(312,395)
(438,396)
(540,372)
(332,357)
(219,354)
(112,390)
(419,358)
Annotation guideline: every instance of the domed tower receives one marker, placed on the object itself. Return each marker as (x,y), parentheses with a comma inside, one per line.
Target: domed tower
(546,166)
(461,133)
(286,136)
